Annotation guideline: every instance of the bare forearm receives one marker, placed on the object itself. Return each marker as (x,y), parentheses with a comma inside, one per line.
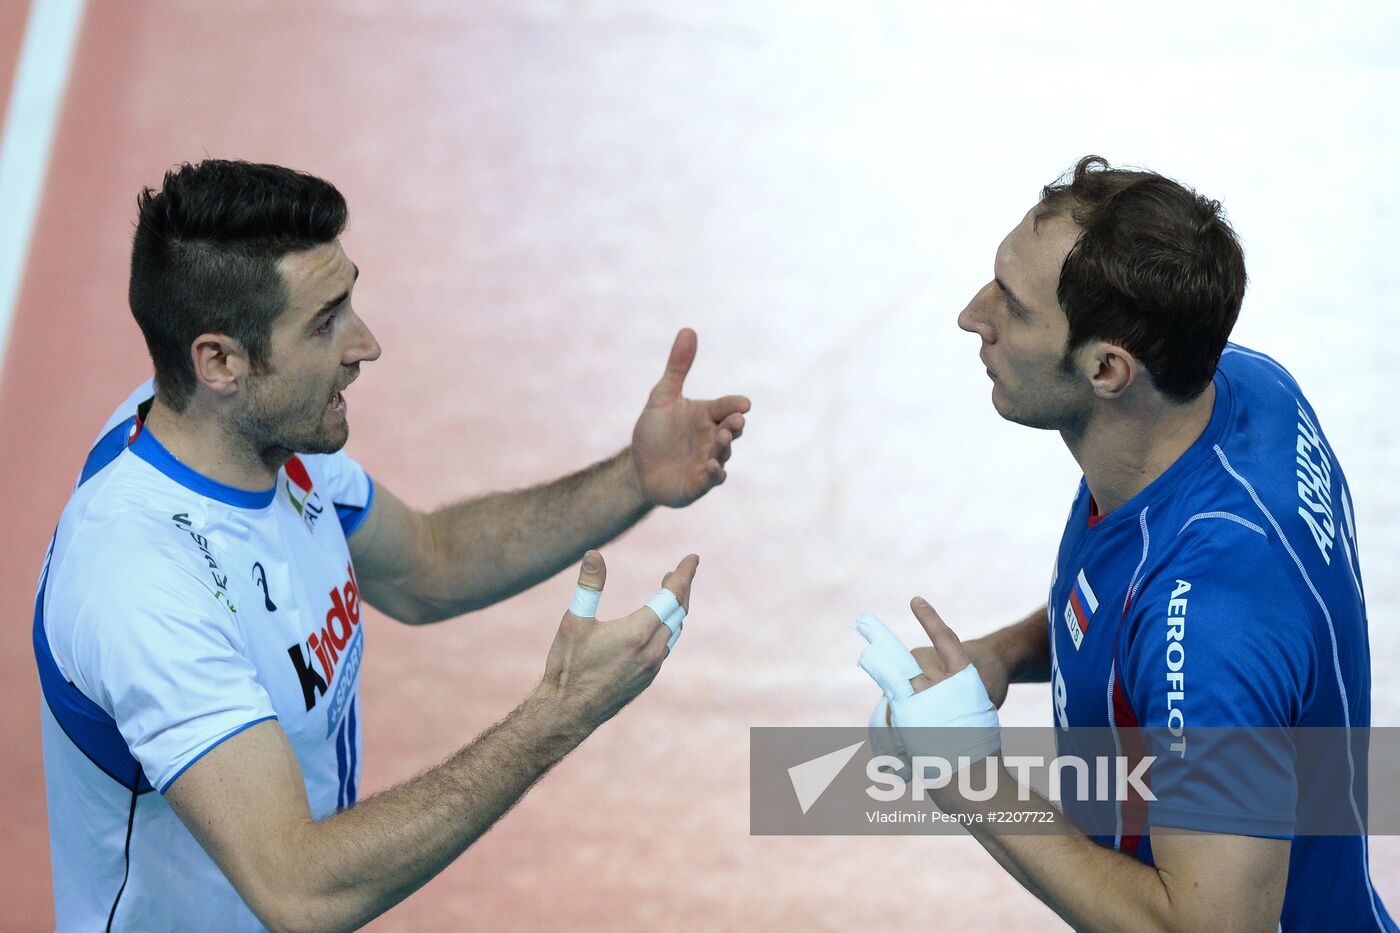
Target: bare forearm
(359,863)
(488,549)
(1089,886)
(1025,648)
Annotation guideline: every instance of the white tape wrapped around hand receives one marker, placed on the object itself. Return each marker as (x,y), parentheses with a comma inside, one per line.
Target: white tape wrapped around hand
(669,610)
(952,719)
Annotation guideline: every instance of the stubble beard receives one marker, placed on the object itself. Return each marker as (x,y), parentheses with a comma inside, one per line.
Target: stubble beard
(1049,408)
(274,430)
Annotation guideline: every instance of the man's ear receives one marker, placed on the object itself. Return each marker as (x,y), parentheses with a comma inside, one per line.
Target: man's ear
(220,362)
(1110,368)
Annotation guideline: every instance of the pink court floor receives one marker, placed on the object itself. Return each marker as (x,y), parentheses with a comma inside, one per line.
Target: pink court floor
(541,194)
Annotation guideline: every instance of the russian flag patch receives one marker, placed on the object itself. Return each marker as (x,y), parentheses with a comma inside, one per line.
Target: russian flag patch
(1080,609)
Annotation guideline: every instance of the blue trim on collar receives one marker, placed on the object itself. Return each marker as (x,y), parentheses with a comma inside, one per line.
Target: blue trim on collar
(106,450)
(153,452)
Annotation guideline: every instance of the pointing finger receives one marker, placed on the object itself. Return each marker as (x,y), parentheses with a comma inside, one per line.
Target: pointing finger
(678,581)
(946,644)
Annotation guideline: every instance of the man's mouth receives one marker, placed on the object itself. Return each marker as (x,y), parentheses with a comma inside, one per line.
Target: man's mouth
(337,400)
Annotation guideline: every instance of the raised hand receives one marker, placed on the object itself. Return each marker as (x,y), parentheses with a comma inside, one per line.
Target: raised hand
(596,667)
(680,445)
(945,693)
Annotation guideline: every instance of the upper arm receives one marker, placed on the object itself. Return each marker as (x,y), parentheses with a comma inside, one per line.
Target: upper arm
(1221,882)
(166,661)
(245,801)
(389,542)
(391,546)
(1218,665)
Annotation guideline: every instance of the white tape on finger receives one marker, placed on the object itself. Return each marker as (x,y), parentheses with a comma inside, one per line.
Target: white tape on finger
(668,609)
(585,604)
(675,622)
(663,603)
(953,719)
(885,659)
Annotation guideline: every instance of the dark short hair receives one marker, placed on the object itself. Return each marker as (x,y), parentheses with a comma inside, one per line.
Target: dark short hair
(204,258)
(1156,269)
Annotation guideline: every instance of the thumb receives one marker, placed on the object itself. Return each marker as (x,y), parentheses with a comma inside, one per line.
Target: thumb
(677,365)
(592,574)
(946,644)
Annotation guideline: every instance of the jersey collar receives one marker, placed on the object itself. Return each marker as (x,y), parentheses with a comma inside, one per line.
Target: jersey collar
(153,452)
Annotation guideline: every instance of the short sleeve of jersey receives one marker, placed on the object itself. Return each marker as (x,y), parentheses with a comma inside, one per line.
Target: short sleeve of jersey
(350,487)
(1218,663)
(161,656)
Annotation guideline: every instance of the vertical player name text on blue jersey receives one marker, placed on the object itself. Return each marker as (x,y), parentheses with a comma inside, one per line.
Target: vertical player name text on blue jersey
(1315,485)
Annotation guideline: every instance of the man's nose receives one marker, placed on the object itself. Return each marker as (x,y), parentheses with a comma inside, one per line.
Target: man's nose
(973,320)
(365,348)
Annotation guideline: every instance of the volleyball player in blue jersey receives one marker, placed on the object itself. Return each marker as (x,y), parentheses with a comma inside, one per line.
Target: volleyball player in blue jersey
(1208,575)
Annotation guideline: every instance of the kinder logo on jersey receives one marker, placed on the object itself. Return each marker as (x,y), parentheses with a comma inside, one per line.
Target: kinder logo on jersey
(337,646)
(1080,609)
(304,499)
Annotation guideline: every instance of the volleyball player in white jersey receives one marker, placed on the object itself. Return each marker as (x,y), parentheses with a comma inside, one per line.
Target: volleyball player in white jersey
(198,627)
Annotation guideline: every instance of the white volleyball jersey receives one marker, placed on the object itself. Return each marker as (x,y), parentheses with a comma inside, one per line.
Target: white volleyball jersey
(173,612)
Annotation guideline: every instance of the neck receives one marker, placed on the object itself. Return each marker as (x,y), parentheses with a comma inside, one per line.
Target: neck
(202,441)
(1126,445)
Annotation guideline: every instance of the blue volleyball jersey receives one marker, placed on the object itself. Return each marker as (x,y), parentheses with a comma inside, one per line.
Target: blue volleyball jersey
(1226,593)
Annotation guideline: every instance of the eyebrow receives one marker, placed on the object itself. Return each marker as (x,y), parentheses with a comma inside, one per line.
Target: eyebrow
(335,302)
(1011,296)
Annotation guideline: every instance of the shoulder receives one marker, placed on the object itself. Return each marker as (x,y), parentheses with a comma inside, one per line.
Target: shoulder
(1239,361)
(127,553)
(1219,610)
(1222,586)
(336,478)
(1230,555)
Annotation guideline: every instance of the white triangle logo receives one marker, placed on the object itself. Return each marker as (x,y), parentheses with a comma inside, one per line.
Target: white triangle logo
(811,778)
